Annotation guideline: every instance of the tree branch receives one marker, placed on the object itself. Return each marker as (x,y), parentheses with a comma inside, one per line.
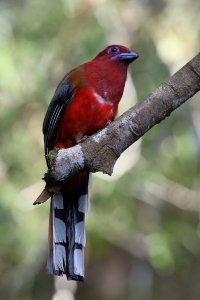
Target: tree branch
(100,151)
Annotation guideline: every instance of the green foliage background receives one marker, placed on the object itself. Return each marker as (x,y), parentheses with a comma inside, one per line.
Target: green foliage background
(143,228)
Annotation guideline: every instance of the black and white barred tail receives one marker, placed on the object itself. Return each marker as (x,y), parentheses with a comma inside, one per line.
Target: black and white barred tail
(67,237)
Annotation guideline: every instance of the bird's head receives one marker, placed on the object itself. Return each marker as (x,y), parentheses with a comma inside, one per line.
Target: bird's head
(107,72)
(117,53)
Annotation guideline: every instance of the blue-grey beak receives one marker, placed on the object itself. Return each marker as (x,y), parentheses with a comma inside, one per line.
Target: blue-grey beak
(128,56)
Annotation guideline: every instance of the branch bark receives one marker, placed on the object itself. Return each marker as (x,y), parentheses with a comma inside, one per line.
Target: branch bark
(100,151)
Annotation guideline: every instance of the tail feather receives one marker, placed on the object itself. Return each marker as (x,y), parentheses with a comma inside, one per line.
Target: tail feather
(80,236)
(67,237)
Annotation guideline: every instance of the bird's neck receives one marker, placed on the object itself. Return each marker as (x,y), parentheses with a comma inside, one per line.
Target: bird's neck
(106,78)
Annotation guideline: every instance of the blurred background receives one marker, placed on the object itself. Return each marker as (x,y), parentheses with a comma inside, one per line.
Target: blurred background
(143,231)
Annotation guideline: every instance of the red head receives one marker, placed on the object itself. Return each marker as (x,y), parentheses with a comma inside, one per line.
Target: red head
(107,72)
(117,53)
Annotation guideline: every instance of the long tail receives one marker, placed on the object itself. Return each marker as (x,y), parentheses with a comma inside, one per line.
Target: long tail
(67,236)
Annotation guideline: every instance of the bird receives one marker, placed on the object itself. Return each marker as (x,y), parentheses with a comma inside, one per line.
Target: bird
(85,101)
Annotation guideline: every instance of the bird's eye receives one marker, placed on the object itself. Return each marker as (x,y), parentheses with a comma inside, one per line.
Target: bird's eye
(113,50)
